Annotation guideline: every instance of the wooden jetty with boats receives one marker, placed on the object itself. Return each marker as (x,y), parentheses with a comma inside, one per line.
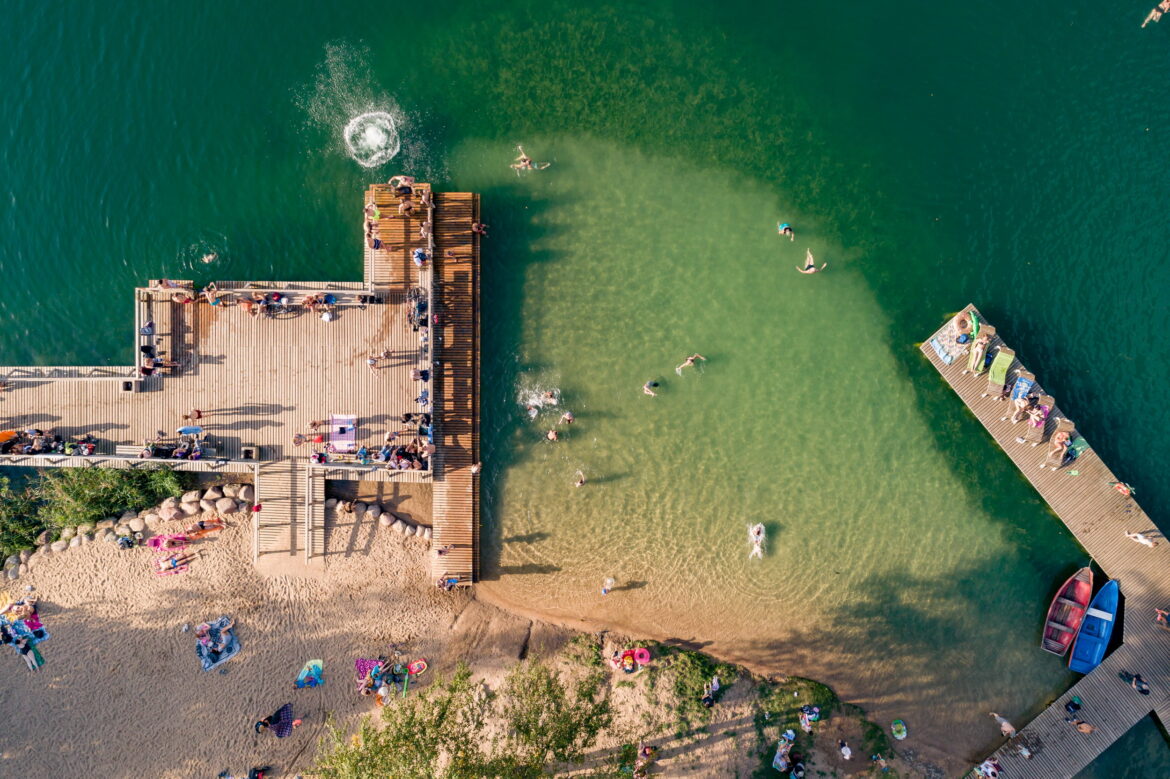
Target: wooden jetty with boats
(1099,509)
(304,357)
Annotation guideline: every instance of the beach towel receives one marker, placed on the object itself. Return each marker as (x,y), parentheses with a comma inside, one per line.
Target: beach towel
(1022,387)
(210,659)
(997,375)
(21,628)
(941,351)
(342,433)
(156,542)
(310,675)
(1077,446)
(363,666)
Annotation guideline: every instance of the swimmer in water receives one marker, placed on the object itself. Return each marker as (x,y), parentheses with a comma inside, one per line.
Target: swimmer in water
(689,362)
(648,388)
(786,229)
(524,162)
(551,435)
(532,412)
(580,479)
(567,417)
(550,398)
(810,265)
(210,257)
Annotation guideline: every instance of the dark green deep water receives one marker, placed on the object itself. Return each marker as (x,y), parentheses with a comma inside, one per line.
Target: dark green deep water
(1014,157)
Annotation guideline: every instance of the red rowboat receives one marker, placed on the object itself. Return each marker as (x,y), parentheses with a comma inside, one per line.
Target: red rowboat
(1067,611)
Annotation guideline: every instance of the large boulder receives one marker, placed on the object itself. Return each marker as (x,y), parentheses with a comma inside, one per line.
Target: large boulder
(248,494)
(207,505)
(59,546)
(108,535)
(398,526)
(167,513)
(171,502)
(86,538)
(331,503)
(12,560)
(137,524)
(13,573)
(386,520)
(25,554)
(150,518)
(192,497)
(374,511)
(213,493)
(189,509)
(225,505)
(67,533)
(408,529)
(43,537)
(122,530)
(23,570)
(74,542)
(426,533)
(128,515)
(231,490)
(359,508)
(84,528)
(105,524)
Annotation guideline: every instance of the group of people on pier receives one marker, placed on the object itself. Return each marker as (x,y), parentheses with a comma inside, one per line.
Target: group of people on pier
(35,441)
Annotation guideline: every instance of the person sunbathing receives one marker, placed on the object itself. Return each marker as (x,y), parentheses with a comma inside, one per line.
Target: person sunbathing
(1058,447)
(1022,406)
(174,562)
(204,527)
(1037,415)
(203,633)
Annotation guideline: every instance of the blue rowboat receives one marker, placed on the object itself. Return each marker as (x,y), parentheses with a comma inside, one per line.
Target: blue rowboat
(1092,641)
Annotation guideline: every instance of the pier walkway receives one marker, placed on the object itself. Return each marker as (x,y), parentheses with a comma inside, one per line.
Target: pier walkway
(260,381)
(1082,494)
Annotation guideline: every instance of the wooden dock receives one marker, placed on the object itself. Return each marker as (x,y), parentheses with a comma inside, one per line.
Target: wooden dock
(260,381)
(1083,495)
(456,497)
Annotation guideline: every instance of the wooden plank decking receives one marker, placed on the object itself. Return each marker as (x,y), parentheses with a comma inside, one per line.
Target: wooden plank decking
(456,496)
(259,381)
(1082,495)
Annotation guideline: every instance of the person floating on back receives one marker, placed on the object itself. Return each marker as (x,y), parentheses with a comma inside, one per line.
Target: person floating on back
(810,265)
(689,362)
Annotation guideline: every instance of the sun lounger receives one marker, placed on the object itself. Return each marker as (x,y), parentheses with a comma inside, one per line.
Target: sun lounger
(997,374)
(342,433)
(1034,432)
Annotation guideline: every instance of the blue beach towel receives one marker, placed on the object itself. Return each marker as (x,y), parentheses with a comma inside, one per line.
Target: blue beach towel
(1022,387)
(942,353)
(211,660)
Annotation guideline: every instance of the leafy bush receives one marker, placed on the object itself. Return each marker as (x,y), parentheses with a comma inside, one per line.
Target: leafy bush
(74,496)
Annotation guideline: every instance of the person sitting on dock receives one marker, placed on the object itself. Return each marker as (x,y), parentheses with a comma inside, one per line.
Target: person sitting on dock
(1142,539)
(426,199)
(479,228)
(405,206)
(372,211)
(1022,406)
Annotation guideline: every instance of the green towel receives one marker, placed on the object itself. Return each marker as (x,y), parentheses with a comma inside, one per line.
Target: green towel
(999,367)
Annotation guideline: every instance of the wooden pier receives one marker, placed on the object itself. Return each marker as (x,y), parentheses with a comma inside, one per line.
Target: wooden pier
(1083,494)
(260,381)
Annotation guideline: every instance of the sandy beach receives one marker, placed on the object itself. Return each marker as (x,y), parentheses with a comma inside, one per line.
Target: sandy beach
(122,692)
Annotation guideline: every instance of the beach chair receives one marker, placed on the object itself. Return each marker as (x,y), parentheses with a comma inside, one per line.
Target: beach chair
(997,374)
(1035,430)
(977,357)
(1057,459)
(342,433)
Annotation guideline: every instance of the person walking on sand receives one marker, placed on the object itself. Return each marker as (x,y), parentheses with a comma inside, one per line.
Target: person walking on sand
(372,364)
(689,362)
(810,264)
(524,162)
(648,388)
(607,586)
(1142,539)
(1005,727)
(580,480)
(786,229)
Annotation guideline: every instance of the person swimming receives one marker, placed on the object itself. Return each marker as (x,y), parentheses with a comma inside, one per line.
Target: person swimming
(648,388)
(689,362)
(524,162)
(810,264)
(786,229)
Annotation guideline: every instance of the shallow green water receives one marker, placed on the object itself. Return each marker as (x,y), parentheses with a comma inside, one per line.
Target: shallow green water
(930,156)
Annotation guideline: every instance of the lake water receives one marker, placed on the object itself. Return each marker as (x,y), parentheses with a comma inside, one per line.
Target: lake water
(933,156)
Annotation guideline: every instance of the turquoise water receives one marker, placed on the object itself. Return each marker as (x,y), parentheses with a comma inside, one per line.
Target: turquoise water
(932,155)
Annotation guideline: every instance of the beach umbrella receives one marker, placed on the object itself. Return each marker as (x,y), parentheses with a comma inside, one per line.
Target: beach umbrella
(190,430)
